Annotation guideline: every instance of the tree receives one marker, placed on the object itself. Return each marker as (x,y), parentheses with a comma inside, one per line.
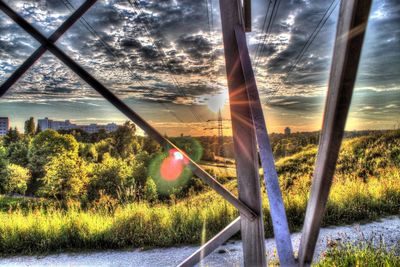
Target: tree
(125,142)
(3,160)
(150,146)
(30,127)
(110,176)
(12,136)
(18,152)
(66,178)
(150,190)
(14,179)
(88,152)
(45,146)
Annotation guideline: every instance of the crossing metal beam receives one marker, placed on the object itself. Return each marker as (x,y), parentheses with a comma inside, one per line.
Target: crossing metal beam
(276,205)
(17,74)
(352,23)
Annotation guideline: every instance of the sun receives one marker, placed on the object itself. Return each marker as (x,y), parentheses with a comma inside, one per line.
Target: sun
(217,102)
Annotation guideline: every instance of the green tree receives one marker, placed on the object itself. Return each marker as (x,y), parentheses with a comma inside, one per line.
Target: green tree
(110,176)
(3,161)
(66,178)
(125,142)
(18,152)
(88,152)
(45,146)
(12,136)
(14,179)
(150,190)
(30,127)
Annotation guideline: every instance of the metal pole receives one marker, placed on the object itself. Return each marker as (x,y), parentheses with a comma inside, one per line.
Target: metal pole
(276,206)
(353,18)
(245,144)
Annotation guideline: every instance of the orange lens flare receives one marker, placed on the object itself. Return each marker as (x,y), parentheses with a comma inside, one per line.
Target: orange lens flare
(173,165)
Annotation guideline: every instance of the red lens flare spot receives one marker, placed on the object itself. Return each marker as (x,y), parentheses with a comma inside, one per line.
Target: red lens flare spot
(173,165)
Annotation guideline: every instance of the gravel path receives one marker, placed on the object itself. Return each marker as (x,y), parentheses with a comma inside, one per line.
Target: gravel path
(227,255)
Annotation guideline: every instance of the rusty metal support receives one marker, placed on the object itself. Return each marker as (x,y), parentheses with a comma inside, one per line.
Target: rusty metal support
(244,138)
(352,23)
(277,208)
(212,244)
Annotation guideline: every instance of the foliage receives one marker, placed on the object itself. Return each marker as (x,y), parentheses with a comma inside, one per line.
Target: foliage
(12,136)
(110,176)
(66,178)
(150,191)
(105,223)
(18,152)
(47,145)
(364,254)
(124,140)
(30,127)
(14,179)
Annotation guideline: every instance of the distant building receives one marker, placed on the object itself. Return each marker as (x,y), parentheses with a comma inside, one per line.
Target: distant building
(4,125)
(287,131)
(46,123)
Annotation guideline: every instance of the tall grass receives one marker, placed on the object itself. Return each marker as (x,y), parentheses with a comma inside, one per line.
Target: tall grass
(364,254)
(354,197)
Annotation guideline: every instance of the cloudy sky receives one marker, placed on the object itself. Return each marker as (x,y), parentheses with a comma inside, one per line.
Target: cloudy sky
(165,59)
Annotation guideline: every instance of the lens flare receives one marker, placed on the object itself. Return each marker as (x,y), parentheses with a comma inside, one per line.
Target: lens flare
(173,165)
(171,170)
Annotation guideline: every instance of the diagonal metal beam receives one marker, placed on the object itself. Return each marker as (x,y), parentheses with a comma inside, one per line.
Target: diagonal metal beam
(277,208)
(127,111)
(353,18)
(17,74)
(212,244)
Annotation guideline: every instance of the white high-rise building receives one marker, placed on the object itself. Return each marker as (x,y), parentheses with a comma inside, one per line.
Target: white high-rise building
(46,123)
(4,125)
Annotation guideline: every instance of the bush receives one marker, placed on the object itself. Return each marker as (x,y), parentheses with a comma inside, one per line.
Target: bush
(150,191)
(110,176)
(66,178)
(14,179)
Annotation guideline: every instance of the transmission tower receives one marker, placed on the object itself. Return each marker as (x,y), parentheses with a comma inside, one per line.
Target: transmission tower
(220,135)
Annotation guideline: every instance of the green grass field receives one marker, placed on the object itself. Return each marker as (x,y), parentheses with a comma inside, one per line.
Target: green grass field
(366,187)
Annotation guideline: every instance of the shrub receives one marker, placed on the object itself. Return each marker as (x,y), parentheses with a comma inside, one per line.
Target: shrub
(150,191)
(14,179)
(66,178)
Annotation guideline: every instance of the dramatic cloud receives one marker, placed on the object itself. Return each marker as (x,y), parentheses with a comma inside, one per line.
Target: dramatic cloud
(171,52)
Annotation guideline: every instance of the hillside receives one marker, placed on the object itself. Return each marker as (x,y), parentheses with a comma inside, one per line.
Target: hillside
(366,187)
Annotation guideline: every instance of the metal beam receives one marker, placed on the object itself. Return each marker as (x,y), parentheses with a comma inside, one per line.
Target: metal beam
(247,15)
(245,144)
(212,244)
(277,208)
(127,111)
(42,49)
(353,18)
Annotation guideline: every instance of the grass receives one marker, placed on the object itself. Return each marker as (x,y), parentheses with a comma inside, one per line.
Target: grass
(361,255)
(40,227)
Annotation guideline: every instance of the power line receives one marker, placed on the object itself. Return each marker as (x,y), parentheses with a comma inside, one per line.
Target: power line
(262,29)
(274,11)
(109,49)
(161,51)
(310,40)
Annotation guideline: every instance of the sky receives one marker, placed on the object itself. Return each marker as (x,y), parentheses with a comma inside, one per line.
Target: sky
(165,59)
